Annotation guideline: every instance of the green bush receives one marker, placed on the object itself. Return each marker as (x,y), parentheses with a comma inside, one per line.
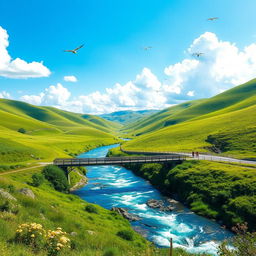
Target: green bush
(7,206)
(91,209)
(111,252)
(126,234)
(37,180)
(57,177)
(22,130)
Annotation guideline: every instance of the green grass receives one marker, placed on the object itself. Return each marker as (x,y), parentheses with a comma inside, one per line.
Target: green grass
(216,190)
(158,120)
(228,117)
(50,133)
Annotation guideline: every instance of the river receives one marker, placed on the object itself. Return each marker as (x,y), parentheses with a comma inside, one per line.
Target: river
(115,186)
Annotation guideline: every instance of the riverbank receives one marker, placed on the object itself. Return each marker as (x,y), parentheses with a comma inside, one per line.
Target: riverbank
(77,178)
(217,191)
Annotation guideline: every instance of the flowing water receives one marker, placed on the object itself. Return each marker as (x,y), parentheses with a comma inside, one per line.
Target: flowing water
(115,186)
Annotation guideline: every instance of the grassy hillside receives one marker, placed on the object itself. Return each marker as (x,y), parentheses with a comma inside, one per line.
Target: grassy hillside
(49,133)
(158,120)
(225,123)
(128,116)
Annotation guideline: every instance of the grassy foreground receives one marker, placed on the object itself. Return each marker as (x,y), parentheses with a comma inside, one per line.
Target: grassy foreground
(92,233)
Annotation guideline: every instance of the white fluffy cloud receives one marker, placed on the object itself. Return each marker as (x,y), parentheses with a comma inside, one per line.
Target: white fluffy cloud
(142,93)
(53,96)
(18,68)
(5,95)
(70,79)
(222,66)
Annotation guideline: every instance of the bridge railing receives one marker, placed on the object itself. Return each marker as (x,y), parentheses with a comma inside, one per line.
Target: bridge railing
(116,160)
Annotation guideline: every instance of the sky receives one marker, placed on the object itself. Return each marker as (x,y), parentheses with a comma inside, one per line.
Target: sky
(113,71)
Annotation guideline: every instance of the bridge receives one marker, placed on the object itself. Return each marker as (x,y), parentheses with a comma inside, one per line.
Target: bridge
(66,162)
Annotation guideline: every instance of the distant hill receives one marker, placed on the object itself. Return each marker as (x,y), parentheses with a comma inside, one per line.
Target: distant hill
(159,119)
(224,123)
(49,132)
(127,116)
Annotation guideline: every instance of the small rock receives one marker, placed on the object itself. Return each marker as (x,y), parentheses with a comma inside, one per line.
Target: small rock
(172,201)
(74,233)
(27,192)
(168,208)
(125,214)
(159,204)
(7,195)
(42,216)
(90,232)
(153,203)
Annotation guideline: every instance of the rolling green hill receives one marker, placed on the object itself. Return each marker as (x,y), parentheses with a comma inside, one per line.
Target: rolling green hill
(45,129)
(225,123)
(159,120)
(127,116)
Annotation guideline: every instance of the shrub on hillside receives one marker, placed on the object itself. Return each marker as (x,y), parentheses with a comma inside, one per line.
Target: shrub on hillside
(111,252)
(91,208)
(57,177)
(37,180)
(126,234)
(22,130)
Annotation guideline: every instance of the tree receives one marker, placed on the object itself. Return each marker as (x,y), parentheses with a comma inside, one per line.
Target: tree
(57,177)
(37,179)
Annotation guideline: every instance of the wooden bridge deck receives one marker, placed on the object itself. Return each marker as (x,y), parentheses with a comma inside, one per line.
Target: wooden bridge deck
(117,160)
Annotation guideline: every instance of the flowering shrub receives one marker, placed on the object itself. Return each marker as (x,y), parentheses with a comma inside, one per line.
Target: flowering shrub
(31,234)
(35,236)
(57,241)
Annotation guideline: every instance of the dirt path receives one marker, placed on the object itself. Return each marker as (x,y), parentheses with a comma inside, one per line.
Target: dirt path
(26,168)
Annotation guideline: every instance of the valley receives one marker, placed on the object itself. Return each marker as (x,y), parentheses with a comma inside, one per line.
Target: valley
(225,125)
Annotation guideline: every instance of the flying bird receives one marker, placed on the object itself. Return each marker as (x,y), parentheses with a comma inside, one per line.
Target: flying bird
(146,48)
(197,54)
(213,18)
(74,50)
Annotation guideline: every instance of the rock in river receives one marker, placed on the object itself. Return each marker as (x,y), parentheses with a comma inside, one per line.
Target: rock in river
(159,204)
(153,203)
(125,214)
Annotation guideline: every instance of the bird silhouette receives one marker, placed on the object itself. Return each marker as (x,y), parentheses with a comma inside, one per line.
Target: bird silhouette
(74,50)
(213,18)
(197,54)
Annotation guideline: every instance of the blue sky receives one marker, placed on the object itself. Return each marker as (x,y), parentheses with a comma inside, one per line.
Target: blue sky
(114,33)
